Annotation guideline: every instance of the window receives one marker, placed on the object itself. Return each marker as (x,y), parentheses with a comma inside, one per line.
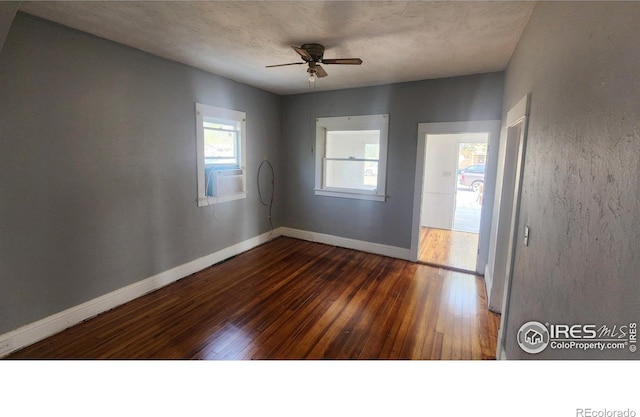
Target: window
(220,137)
(351,156)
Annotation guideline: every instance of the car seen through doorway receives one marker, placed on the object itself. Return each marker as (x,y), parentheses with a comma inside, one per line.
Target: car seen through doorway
(472,176)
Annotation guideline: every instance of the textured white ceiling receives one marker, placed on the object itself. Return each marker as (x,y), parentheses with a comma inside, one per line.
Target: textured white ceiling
(397,40)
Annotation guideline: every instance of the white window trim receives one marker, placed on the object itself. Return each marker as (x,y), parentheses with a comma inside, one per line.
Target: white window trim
(367,122)
(202,111)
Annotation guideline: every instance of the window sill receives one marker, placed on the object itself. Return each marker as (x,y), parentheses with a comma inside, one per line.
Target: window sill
(352,195)
(208,201)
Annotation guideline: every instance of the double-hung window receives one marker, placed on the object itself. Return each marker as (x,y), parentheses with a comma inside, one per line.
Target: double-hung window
(351,156)
(221,154)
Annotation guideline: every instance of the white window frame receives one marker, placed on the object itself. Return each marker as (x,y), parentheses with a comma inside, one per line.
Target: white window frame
(378,122)
(205,111)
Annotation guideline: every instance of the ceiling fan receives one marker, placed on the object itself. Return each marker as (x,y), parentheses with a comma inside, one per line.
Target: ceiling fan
(312,54)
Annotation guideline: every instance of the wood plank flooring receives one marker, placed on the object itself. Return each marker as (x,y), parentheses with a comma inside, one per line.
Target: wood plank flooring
(291,299)
(448,248)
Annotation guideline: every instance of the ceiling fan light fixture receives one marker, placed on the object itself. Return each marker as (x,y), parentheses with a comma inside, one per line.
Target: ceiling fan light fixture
(312,76)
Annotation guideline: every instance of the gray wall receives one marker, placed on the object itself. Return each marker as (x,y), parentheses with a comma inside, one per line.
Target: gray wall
(98,168)
(581,185)
(477,97)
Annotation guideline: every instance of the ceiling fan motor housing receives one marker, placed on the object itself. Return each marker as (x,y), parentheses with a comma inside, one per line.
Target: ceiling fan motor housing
(315,50)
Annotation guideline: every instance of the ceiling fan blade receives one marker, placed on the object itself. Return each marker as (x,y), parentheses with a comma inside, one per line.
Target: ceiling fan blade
(303,53)
(320,72)
(344,61)
(282,65)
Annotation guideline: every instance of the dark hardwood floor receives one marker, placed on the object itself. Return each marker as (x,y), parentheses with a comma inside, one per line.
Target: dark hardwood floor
(291,299)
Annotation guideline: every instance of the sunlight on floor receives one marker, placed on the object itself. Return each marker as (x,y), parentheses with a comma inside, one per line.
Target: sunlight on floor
(448,248)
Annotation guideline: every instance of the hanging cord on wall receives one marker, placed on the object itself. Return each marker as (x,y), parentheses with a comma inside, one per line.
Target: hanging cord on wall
(273,189)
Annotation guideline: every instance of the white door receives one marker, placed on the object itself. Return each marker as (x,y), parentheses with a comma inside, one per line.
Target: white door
(440,182)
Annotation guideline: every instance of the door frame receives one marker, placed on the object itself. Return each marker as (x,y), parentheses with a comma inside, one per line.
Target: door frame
(480,126)
(518,116)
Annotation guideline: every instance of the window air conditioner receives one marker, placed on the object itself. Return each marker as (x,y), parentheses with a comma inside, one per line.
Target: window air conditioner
(228,182)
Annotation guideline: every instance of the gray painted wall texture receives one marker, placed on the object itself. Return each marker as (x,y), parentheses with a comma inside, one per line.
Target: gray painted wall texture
(98,168)
(581,186)
(477,97)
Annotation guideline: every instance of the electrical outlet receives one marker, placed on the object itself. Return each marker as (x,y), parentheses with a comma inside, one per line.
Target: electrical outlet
(6,346)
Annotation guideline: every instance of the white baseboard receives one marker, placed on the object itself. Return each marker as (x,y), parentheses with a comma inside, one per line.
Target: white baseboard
(491,297)
(488,280)
(343,242)
(502,354)
(488,285)
(48,326)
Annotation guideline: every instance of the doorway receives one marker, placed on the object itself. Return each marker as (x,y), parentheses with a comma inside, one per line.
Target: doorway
(450,229)
(505,234)
(454,172)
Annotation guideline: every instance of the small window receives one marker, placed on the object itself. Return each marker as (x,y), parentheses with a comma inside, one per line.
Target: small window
(351,156)
(221,154)
(221,143)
